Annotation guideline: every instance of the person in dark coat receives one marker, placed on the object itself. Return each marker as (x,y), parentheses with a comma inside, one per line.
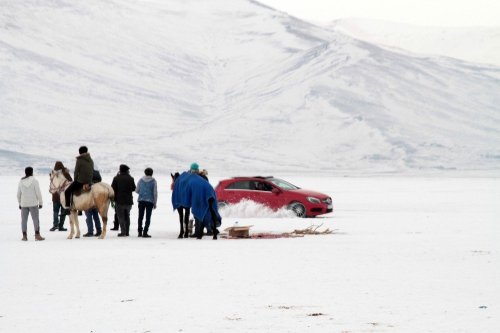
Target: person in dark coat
(59,213)
(124,185)
(84,170)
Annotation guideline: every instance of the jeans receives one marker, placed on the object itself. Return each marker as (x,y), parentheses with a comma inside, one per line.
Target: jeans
(58,222)
(92,214)
(148,207)
(123,213)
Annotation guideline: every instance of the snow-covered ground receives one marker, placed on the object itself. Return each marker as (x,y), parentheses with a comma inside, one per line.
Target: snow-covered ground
(407,255)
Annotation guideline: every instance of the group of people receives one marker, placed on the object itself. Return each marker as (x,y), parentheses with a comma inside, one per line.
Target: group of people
(124,185)
(30,198)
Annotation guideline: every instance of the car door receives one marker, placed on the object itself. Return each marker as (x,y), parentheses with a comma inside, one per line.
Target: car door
(237,191)
(262,192)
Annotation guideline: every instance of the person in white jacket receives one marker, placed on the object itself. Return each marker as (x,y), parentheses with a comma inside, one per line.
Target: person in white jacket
(30,201)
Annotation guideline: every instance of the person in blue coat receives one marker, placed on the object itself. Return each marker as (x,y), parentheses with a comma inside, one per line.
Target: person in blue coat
(148,196)
(191,190)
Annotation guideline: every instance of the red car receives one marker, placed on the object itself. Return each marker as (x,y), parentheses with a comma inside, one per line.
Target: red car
(274,193)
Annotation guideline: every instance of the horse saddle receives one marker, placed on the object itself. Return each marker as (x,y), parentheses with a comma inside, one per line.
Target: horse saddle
(86,188)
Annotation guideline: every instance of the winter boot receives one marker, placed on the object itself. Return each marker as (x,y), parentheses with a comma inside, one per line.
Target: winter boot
(61,223)
(198,230)
(38,237)
(145,234)
(116,225)
(25,236)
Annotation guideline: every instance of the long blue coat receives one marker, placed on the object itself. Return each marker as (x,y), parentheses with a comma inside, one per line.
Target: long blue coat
(192,191)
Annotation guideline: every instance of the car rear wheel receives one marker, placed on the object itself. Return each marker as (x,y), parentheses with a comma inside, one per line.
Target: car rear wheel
(298,208)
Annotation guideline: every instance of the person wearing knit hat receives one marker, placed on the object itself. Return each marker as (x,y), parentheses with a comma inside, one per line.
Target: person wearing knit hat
(124,168)
(123,184)
(59,213)
(84,170)
(194,167)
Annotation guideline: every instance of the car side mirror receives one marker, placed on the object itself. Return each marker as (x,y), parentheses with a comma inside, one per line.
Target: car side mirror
(276,190)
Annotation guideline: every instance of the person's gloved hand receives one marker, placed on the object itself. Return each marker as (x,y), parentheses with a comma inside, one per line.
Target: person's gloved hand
(154,207)
(40,206)
(19,206)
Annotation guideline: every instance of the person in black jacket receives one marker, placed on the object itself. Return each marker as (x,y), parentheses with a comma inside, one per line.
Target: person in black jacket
(123,184)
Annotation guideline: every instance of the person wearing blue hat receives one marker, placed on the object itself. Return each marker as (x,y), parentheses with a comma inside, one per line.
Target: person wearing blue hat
(194,168)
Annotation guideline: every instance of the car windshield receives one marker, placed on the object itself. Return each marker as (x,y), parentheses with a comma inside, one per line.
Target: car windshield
(283,184)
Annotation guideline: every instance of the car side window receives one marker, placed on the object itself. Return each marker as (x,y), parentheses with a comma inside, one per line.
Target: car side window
(261,186)
(239,185)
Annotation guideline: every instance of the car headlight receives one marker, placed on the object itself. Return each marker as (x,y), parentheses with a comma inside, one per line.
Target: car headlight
(313,200)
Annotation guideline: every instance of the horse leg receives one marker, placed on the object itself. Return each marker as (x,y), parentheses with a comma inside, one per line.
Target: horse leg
(77,225)
(103,212)
(71,224)
(104,224)
(180,211)
(186,223)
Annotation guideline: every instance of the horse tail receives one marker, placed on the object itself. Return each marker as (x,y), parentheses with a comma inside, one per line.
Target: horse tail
(111,193)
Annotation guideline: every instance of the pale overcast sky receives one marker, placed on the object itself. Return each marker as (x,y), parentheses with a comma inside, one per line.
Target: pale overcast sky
(420,12)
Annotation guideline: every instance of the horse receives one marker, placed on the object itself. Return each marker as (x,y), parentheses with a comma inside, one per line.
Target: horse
(99,196)
(183,213)
(192,191)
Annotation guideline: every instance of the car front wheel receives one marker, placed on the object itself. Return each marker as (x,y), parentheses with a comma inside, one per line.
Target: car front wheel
(298,208)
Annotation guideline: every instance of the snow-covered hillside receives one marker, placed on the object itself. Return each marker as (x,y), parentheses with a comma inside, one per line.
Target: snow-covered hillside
(234,85)
(473,44)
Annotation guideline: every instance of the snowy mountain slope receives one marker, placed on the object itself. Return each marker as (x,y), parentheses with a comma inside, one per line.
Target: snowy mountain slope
(354,104)
(473,44)
(235,85)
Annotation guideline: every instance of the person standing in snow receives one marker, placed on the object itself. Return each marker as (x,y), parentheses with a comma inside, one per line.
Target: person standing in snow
(123,184)
(195,168)
(30,201)
(84,169)
(58,211)
(93,213)
(148,195)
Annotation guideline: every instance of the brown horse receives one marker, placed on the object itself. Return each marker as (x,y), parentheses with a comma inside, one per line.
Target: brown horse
(99,196)
(184,212)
